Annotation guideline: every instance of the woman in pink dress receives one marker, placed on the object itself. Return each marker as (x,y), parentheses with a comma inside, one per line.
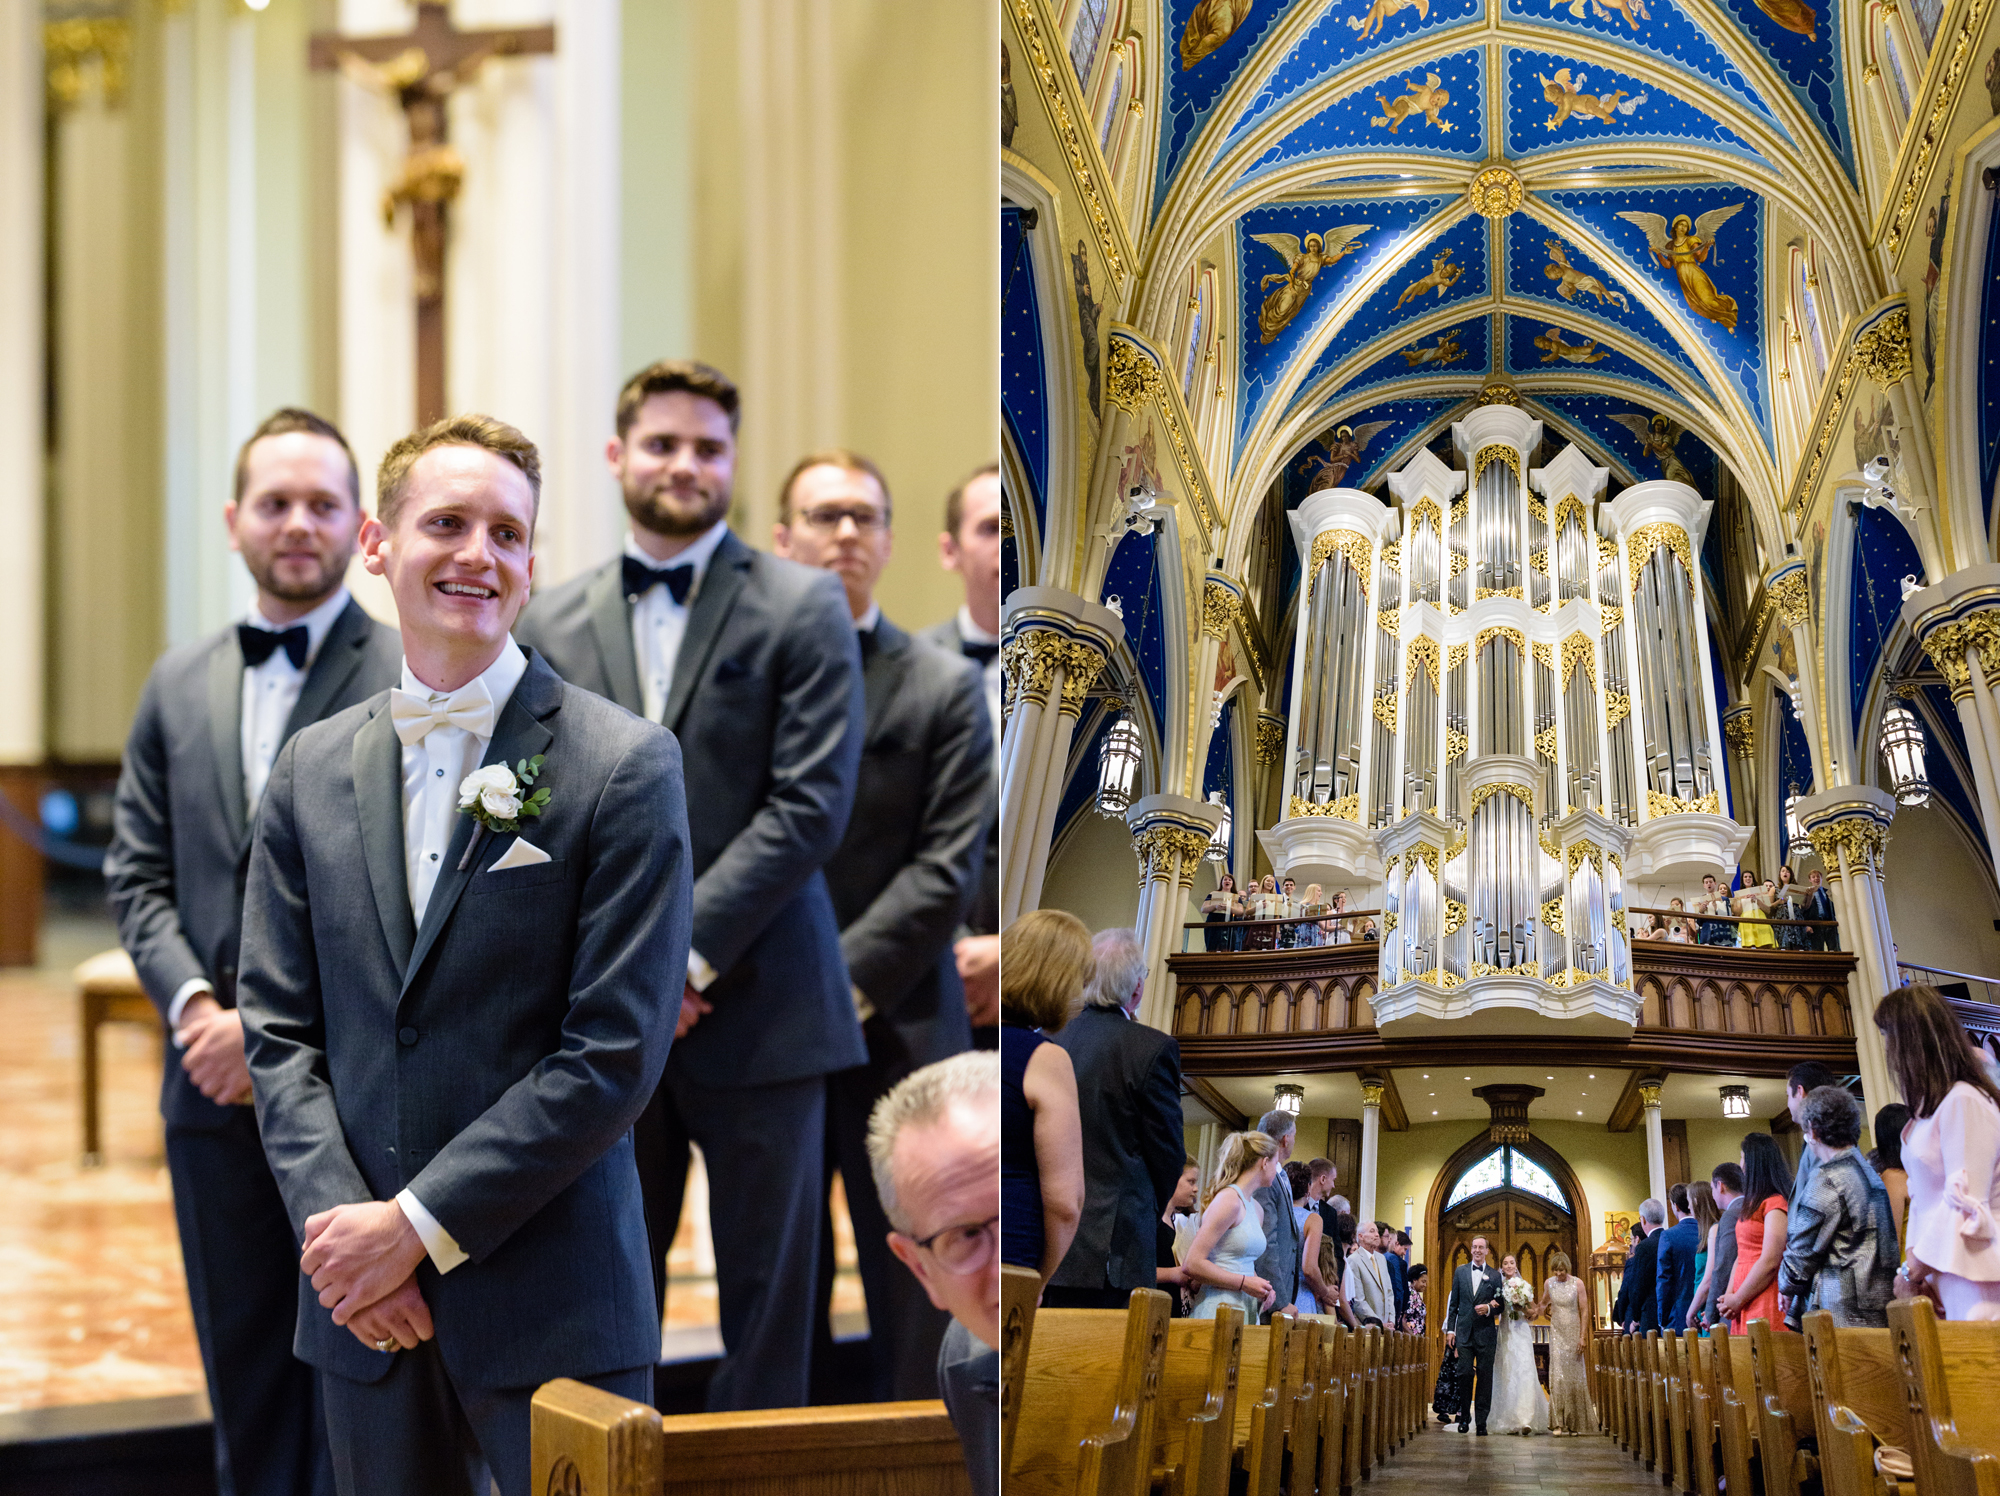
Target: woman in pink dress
(1951,1150)
(1760,1236)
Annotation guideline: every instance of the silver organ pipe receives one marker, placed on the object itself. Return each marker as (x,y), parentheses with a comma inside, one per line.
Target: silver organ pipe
(1678,759)
(1623,802)
(1456,724)
(1580,731)
(1573,558)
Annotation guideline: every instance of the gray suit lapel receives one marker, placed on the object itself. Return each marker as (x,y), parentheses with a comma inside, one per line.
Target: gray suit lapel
(225,725)
(723,582)
(378,795)
(339,657)
(611,622)
(521,733)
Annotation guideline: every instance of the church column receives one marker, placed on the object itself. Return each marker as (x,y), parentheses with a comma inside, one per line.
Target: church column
(1849,828)
(1221,606)
(1786,588)
(1958,623)
(1170,834)
(1656,1142)
(1740,732)
(1371,1145)
(1054,646)
(1884,351)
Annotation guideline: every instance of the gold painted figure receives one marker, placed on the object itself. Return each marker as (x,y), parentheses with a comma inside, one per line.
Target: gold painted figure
(1685,250)
(1569,99)
(1634,11)
(1303,263)
(1793,15)
(1427,98)
(1209,25)
(1553,348)
(1659,437)
(1447,351)
(1571,281)
(1444,275)
(1379,13)
(1343,452)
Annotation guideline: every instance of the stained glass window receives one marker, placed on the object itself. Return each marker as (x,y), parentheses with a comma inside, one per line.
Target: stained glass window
(1488,1174)
(1525,1174)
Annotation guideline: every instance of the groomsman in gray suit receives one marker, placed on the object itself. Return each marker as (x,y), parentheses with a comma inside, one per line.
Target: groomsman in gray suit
(210,723)
(751,661)
(466,919)
(901,882)
(970,546)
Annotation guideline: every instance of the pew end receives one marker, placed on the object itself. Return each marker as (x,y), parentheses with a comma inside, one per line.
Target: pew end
(1949,1373)
(1020,1292)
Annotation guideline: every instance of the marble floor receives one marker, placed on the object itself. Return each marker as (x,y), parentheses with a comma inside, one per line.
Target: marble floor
(93,1306)
(1510,1465)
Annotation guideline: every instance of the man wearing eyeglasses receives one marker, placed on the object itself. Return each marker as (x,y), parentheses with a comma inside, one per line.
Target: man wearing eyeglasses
(934,1148)
(902,881)
(751,662)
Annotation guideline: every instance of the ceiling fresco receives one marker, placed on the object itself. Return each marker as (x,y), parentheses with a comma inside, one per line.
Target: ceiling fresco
(1434,107)
(1559,343)
(1212,41)
(1554,102)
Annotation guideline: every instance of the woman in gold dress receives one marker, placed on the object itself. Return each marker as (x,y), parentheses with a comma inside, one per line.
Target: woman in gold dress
(1753,903)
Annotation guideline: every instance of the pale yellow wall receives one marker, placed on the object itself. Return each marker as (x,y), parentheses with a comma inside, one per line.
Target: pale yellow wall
(1955,931)
(1095,875)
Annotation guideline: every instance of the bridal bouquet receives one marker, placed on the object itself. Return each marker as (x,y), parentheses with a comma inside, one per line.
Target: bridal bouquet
(1515,1294)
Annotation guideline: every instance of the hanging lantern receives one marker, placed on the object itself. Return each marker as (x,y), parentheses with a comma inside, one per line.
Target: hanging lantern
(1117,768)
(1288,1098)
(1903,750)
(1735,1101)
(1218,844)
(1794,832)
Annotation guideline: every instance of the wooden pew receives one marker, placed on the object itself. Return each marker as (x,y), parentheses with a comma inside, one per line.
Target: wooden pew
(1258,1443)
(1784,1406)
(1674,1468)
(1331,1344)
(1652,1440)
(1736,1418)
(1089,1401)
(1353,1454)
(1196,1414)
(1020,1291)
(1857,1398)
(585,1440)
(1703,1397)
(1298,1400)
(1618,1389)
(1950,1375)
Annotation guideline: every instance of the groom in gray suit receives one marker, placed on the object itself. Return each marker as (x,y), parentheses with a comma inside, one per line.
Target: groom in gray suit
(210,723)
(458,992)
(1472,1326)
(752,663)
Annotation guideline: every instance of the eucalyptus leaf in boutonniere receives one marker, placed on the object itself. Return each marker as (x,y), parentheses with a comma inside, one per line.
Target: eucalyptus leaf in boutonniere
(499,798)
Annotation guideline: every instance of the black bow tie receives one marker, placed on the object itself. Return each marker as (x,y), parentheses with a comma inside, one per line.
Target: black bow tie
(258,645)
(678,580)
(976,649)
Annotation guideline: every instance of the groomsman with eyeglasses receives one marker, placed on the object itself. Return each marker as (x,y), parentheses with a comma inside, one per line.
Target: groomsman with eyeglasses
(902,881)
(751,661)
(211,720)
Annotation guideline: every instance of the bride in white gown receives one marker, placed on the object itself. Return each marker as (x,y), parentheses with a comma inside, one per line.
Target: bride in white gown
(1519,1404)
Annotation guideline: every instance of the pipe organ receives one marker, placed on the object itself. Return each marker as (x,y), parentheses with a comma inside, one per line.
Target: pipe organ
(1501,710)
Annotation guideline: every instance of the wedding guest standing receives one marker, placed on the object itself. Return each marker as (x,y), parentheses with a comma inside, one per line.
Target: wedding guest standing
(902,879)
(1047,954)
(1819,906)
(1217,910)
(1727,1181)
(211,721)
(1952,1151)
(1840,1249)
(1222,1258)
(1674,1269)
(1760,1236)
(1279,1261)
(1714,901)
(1178,1223)
(455,1009)
(751,661)
(1568,1310)
(1887,1160)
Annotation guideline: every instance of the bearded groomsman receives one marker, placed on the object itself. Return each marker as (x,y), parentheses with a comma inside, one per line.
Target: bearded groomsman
(210,722)
(457,996)
(751,661)
(901,882)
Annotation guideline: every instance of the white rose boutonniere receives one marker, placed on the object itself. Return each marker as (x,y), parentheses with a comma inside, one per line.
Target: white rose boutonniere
(498,797)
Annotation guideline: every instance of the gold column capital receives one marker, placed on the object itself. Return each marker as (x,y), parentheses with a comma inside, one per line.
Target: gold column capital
(1036,653)
(1862,838)
(1166,850)
(1741,733)
(1883,350)
(1221,606)
(1787,591)
(1270,738)
(1949,646)
(1649,1094)
(1372,1092)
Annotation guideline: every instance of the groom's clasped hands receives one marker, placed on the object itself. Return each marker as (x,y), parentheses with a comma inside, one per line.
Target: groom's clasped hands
(362,1259)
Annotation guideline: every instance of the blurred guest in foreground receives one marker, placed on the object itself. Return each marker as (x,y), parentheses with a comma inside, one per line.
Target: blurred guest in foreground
(1047,957)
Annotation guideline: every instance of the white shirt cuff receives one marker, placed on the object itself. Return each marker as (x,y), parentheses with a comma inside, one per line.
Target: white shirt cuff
(445,1254)
(182,997)
(700,973)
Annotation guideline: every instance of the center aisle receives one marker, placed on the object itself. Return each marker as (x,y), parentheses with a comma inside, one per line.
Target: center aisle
(1538,1465)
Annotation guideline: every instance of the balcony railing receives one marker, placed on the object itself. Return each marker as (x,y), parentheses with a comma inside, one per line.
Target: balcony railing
(1976,1000)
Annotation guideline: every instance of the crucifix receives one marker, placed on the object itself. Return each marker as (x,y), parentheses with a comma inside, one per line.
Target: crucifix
(419,70)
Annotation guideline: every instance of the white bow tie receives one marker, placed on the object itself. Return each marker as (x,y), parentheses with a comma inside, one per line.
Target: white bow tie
(469,707)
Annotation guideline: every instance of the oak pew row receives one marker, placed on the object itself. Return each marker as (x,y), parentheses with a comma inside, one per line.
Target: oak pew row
(1124,1404)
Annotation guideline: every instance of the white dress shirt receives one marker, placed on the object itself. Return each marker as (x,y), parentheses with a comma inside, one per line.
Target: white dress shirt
(270,692)
(659,623)
(972,633)
(432,770)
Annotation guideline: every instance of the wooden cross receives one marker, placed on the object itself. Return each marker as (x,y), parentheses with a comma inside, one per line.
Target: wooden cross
(420,69)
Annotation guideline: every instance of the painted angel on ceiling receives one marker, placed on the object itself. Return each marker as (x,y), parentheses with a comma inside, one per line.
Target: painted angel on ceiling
(1303,263)
(1659,436)
(1209,25)
(1343,452)
(1684,249)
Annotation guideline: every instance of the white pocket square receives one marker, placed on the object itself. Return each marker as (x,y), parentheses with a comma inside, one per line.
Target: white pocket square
(523,853)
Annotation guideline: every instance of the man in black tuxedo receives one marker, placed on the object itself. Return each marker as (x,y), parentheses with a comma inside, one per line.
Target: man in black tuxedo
(1639,1288)
(751,661)
(458,995)
(1128,1087)
(210,723)
(901,883)
(970,546)
(1472,1327)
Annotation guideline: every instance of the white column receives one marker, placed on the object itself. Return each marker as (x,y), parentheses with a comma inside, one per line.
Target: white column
(1170,834)
(1656,1143)
(1849,828)
(21,290)
(1959,624)
(1371,1147)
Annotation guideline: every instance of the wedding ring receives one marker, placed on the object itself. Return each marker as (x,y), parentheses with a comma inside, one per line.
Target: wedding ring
(385,1345)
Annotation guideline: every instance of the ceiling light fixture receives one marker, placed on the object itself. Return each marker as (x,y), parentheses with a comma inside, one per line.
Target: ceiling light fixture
(1117,768)
(1289,1098)
(1735,1101)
